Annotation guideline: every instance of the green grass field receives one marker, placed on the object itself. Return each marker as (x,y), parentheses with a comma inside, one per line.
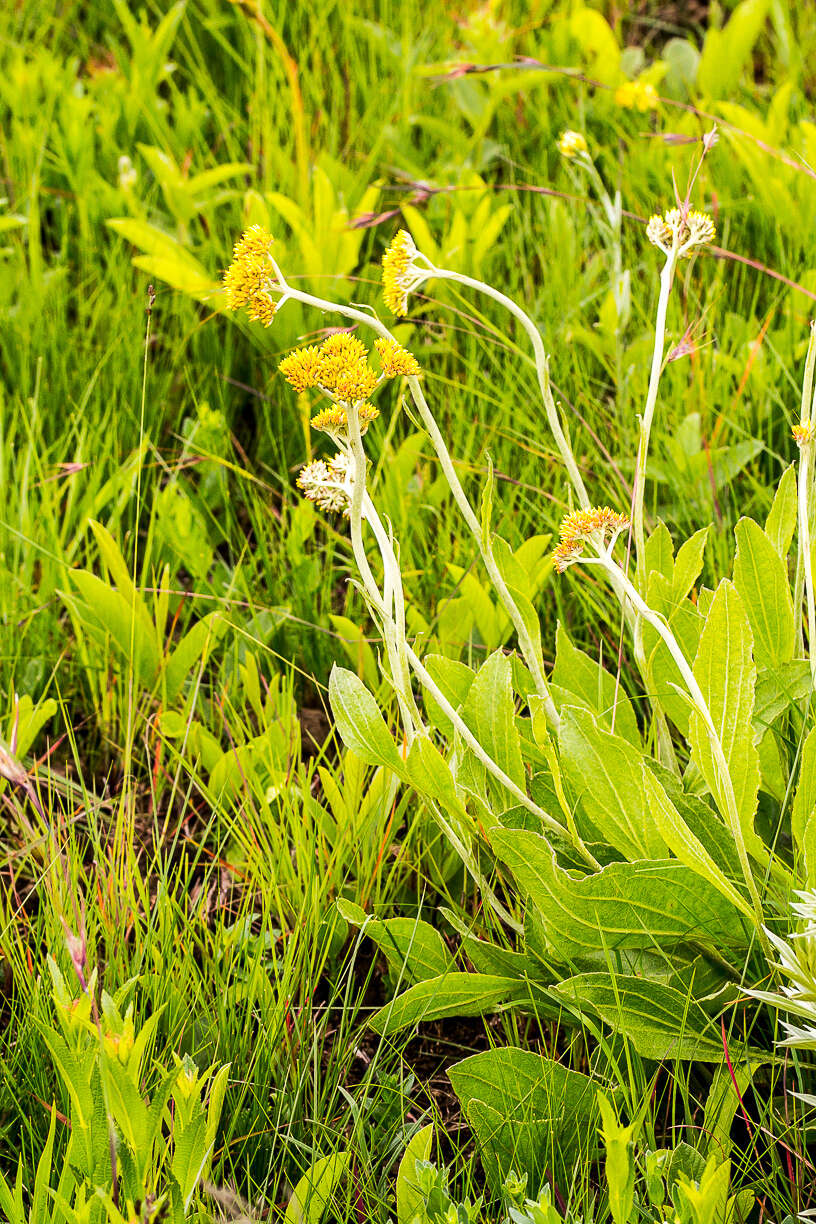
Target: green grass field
(176,797)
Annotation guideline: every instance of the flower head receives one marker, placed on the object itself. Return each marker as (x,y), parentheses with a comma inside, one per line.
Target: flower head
(301,368)
(249,279)
(334,420)
(400,273)
(681,229)
(637,95)
(396,361)
(572,144)
(803,433)
(599,525)
(338,367)
(327,484)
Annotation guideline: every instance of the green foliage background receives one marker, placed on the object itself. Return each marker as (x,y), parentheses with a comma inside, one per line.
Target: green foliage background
(200,818)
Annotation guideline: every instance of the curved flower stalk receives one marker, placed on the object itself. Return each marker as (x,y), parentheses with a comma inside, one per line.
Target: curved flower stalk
(255,281)
(405,269)
(677,234)
(589,537)
(805,435)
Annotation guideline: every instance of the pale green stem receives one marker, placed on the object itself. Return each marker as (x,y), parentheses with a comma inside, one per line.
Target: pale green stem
(542,366)
(666,279)
(393,579)
(532,657)
(382,605)
(490,765)
(701,705)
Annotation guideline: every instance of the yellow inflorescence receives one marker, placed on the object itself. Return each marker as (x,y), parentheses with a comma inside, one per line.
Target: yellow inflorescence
(600,524)
(339,366)
(571,144)
(396,268)
(334,420)
(301,368)
(637,95)
(803,433)
(396,361)
(248,280)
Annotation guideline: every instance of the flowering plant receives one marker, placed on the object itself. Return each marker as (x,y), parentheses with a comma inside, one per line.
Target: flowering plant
(625,848)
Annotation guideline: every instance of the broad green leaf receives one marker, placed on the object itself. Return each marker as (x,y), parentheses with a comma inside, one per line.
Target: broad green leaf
(577,676)
(192,652)
(431,774)
(489,712)
(643,904)
(604,772)
(108,612)
(121,576)
(475,598)
(453,680)
(452,994)
(409,1196)
(685,845)
(359,721)
(804,801)
(781,522)
(724,669)
(527,1112)
(659,552)
(177,273)
(688,564)
(313,1192)
(659,1020)
(414,950)
(760,578)
(533,557)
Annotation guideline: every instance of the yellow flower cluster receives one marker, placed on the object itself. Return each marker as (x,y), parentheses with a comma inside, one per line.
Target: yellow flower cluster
(248,280)
(637,95)
(396,361)
(600,525)
(339,367)
(572,144)
(803,433)
(399,275)
(334,421)
(685,229)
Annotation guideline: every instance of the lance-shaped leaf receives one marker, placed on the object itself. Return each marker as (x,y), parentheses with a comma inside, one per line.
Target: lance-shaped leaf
(660,1021)
(644,904)
(760,578)
(724,669)
(359,721)
(604,772)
